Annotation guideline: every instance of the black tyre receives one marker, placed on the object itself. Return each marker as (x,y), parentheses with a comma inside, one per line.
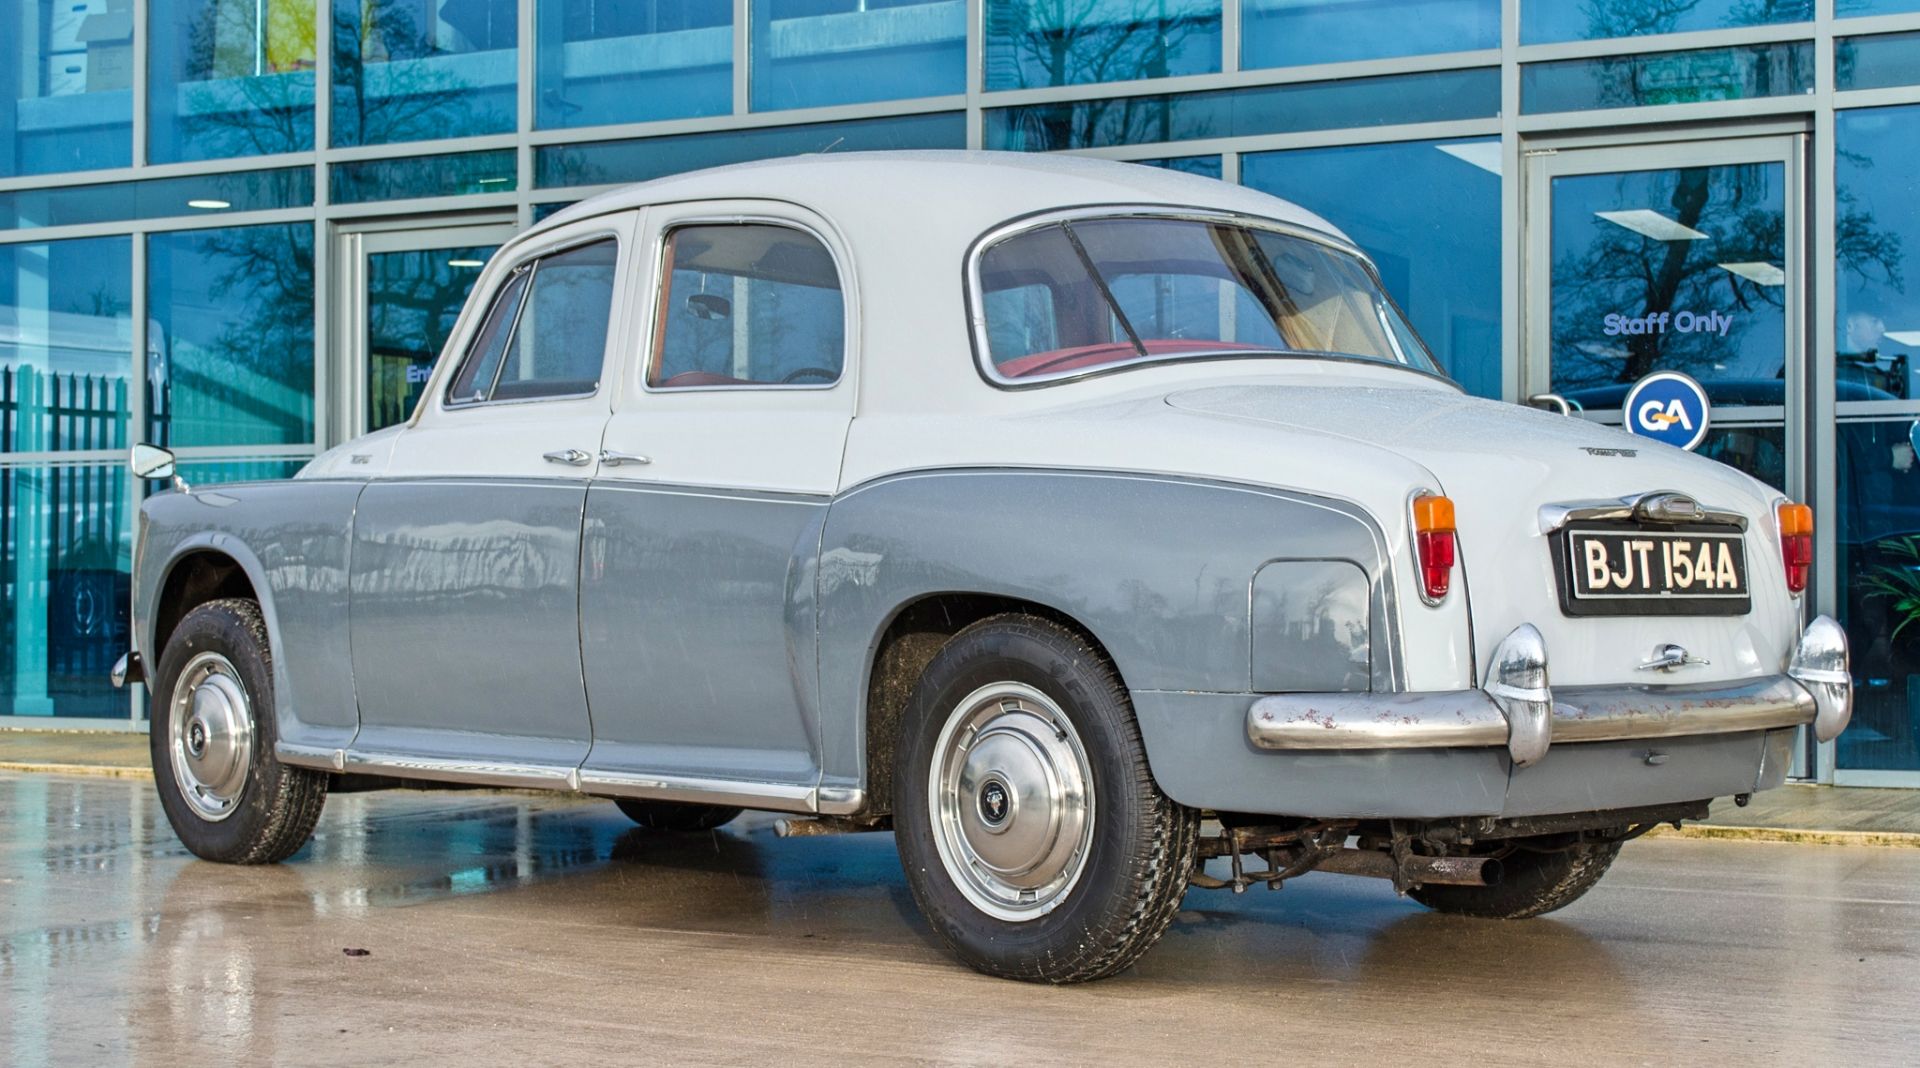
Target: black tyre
(212,735)
(1532,883)
(675,816)
(1033,836)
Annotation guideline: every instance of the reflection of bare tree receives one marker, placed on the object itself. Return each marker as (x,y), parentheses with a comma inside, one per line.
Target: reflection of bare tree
(1620,271)
(415,101)
(1073,42)
(251,83)
(1637,18)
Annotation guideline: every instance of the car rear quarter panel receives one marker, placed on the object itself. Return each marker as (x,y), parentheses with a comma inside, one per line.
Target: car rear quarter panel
(291,539)
(1160,570)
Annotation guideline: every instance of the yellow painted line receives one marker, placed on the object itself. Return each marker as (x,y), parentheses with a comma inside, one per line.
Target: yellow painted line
(1803,836)
(110,770)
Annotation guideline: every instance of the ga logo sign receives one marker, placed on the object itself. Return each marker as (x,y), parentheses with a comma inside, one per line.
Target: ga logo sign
(1668,407)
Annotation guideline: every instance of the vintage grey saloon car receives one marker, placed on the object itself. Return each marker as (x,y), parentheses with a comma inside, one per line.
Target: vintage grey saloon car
(1081,522)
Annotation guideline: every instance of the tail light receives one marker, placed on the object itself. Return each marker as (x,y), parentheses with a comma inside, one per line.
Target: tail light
(1433,545)
(1796,543)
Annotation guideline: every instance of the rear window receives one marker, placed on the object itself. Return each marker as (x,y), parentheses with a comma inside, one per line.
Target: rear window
(1076,297)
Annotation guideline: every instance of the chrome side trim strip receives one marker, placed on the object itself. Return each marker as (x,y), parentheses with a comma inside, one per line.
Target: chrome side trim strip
(1468,718)
(773,797)
(467,772)
(778,797)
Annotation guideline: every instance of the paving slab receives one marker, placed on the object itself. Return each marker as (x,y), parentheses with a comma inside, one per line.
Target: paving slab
(546,930)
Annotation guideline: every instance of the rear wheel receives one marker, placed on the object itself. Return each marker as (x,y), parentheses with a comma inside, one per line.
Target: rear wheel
(1033,836)
(212,733)
(674,816)
(1532,882)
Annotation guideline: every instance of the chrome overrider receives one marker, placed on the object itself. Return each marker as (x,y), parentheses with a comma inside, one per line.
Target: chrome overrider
(1517,707)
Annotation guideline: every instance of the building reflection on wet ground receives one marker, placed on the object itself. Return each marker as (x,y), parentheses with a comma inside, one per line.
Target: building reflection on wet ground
(517,928)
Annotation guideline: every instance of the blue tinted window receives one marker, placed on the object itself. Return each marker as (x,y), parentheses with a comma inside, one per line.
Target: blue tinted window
(229,78)
(1667,78)
(608,61)
(423,176)
(810,53)
(209,194)
(640,159)
(414,70)
(1291,33)
(1542,21)
(1043,43)
(1204,166)
(1877,225)
(1428,214)
(230,345)
(541,211)
(1876,62)
(1399,98)
(1879,565)
(66,344)
(66,551)
(69,66)
(1850,8)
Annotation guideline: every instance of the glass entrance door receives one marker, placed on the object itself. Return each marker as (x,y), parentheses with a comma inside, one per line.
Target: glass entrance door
(402,289)
(1673,257)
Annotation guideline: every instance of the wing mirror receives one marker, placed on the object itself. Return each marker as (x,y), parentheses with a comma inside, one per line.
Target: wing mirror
(709,306)
(152,461)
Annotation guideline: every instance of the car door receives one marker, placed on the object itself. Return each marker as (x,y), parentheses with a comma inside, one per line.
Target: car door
(464,576)
(703,522)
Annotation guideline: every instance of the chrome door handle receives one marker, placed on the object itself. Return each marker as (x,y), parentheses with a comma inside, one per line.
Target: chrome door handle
(571,457)
(1551,400)
(616,459)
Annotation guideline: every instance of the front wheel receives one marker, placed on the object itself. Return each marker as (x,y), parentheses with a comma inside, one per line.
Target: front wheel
(1033,836)
(1533,882)
(212,733)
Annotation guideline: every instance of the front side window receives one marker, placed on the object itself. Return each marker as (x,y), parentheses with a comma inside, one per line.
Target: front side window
(546,333)
(1075,297)
(748,304)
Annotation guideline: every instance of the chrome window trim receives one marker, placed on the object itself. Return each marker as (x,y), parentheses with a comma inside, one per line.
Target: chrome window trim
(530,262)
(663,282)
(976,292)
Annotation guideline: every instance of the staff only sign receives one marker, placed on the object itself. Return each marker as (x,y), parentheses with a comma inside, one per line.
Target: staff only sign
(1668,407)
(1684,322)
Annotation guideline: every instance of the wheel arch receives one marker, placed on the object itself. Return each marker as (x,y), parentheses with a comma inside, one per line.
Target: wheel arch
(195,575)
(912,635)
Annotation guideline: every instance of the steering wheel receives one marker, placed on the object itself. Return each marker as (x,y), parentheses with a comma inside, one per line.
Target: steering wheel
(824,374)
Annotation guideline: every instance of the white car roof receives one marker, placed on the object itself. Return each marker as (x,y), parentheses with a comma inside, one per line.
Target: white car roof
(908,219)
(959,194)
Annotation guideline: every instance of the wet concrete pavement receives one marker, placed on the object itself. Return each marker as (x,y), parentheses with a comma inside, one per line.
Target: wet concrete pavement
(531,930)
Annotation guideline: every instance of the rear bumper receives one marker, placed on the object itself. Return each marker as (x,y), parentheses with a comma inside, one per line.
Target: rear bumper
(1519,711)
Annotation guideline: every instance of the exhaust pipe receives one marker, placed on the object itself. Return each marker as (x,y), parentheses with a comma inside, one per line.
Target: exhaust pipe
(1439,871)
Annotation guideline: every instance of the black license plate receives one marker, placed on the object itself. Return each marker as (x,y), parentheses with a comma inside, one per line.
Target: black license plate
(1614,571)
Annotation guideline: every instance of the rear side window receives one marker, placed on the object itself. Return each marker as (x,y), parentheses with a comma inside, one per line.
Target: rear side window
(546,334)
(748,304)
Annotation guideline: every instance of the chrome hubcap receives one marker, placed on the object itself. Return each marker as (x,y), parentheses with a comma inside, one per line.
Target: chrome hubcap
(210,734)
(1012,798)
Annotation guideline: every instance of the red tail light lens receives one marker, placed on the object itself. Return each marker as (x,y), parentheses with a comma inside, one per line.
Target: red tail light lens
(1433,545)
(1796,544)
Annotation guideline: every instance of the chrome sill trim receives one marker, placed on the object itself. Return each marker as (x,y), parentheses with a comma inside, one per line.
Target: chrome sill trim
(779,797)
(776,797)
(465,772)
(1647,507)
(1469,718)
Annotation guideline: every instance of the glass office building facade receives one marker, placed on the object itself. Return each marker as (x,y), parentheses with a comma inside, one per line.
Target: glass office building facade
(242,228)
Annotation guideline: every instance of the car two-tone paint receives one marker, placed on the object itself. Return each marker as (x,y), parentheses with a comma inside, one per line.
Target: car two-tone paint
(1080,522)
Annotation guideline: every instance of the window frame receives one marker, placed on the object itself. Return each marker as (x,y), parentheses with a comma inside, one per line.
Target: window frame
(530,262)
(663,286)
(976,293)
